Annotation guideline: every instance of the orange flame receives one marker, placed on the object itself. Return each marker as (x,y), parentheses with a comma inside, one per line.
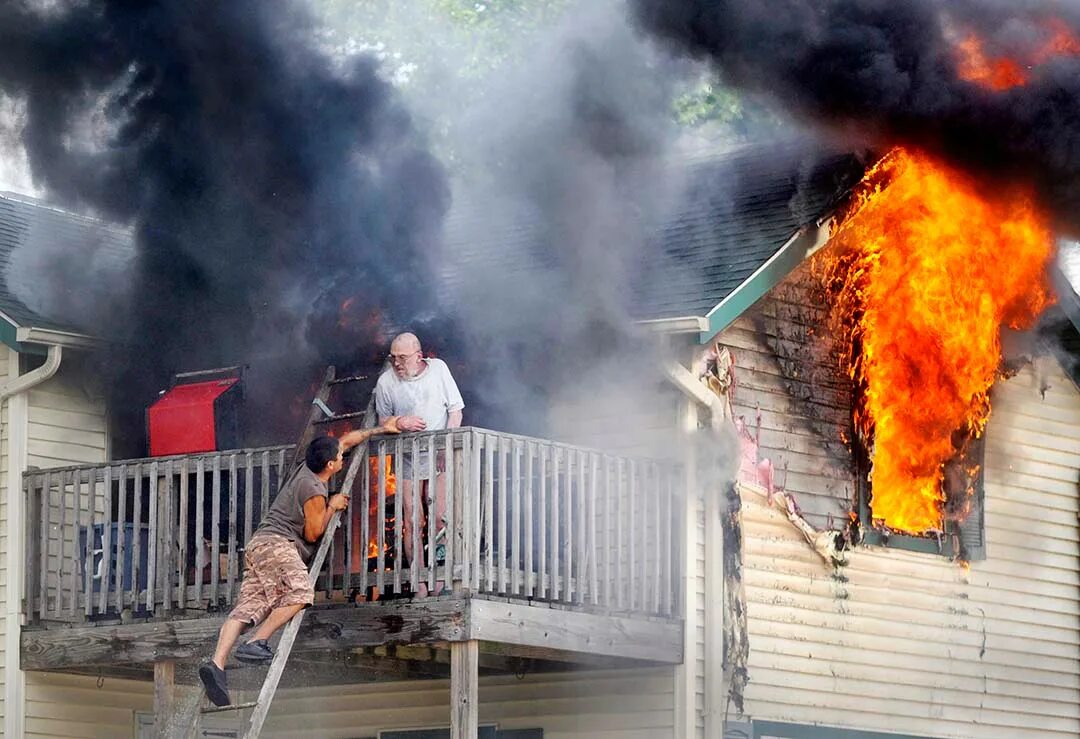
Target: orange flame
(375,516)
(925,273)
(1004,73)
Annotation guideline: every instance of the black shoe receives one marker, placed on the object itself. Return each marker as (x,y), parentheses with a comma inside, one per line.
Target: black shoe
(213,679)
(256,652)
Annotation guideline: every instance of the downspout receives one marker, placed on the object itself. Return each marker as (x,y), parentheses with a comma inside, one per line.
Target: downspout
(14,391)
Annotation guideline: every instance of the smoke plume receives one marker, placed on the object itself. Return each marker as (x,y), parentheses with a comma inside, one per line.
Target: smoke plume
(265,187)
(560,194)
(892,73)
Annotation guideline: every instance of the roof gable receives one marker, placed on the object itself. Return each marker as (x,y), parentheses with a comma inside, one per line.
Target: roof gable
(38,241)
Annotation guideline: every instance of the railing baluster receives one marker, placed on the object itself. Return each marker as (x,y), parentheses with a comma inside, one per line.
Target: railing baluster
(556,530)
(122,545)
(473,516)
(137,541)
(249,497)
(581,557)
(46,534)
(504,544)
(655,497)
(182,533)
(78,547)
(415,495)
(166,537)
(349,529)
(265,506)
(530,580)
(594,549)
(489,509)
(365,514)
(631,531)
(515,518)
(234,511)
(542,587)
(433,519)
(61,536)
(106,544)
(399,516)
(153,488)
(450,537)
(569,587)
(215,531)
(32,554)
(380,520)
(200,526)
(608,522)
(620,500)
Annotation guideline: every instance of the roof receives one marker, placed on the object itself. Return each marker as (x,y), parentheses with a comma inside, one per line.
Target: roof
(38,241)
(738,209)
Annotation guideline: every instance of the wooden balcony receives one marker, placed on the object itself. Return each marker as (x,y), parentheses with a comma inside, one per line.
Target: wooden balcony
(544,548)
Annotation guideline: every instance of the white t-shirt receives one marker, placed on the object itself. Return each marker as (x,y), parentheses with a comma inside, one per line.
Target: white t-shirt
(432,395)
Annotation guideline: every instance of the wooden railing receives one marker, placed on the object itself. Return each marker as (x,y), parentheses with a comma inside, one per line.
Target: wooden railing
(525,518)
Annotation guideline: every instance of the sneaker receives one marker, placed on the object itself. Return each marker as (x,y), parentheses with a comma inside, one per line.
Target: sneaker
(213,680)
(255,652)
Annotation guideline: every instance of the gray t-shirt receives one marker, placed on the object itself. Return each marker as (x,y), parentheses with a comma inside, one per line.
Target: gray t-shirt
(432,395)
(285,516)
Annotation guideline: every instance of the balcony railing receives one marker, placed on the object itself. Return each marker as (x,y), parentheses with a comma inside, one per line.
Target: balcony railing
(525,518)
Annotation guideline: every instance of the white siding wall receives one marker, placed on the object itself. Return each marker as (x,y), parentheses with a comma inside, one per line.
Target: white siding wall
(912,643)
(607,705)
(61,706)
(5,434)
(67,425)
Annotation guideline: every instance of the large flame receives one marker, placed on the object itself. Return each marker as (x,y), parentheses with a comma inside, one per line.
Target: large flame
(926,271)
(975,65)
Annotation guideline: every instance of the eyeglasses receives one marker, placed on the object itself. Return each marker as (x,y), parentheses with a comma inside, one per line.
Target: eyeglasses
(402,357)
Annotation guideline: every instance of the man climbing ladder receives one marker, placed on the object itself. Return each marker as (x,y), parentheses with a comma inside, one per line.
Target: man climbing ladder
(276,584)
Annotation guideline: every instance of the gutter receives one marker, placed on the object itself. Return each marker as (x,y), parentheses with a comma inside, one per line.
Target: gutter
(53,337)
(678,325)
(15,392)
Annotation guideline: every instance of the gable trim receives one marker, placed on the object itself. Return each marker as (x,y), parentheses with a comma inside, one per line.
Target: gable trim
(802,244)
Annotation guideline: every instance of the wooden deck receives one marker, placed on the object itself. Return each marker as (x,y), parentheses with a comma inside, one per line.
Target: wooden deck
(551,553)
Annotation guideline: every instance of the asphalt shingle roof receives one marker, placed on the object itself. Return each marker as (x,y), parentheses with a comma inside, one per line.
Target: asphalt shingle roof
(28,226)
(739,209)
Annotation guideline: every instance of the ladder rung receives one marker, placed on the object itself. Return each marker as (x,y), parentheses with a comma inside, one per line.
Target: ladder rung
(340,417)
(346,380)
(230,707)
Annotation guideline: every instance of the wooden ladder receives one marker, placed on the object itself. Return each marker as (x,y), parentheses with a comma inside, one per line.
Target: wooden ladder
(320,415)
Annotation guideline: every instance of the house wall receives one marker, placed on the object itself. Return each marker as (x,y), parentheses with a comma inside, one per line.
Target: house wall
(792,395)
(915,644)
(10,621)
(63,424)
(634,704)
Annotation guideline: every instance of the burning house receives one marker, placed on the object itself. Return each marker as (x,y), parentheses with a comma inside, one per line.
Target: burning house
(604,598)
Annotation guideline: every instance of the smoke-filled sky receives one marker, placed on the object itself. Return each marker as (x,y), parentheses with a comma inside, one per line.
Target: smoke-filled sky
(887,72)
(264,184)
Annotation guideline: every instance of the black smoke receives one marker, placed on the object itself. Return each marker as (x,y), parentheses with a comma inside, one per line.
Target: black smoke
(264,184)
(887,72)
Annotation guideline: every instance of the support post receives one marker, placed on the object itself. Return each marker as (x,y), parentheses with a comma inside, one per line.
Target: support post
(464,689)
(164,698)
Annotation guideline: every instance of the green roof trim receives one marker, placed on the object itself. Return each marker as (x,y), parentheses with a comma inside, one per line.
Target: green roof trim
(801,245)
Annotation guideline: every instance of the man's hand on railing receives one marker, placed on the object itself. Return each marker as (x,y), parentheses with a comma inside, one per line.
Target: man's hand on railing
(338,502)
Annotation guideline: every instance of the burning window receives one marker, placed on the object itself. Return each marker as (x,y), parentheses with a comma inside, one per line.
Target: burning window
(924,271)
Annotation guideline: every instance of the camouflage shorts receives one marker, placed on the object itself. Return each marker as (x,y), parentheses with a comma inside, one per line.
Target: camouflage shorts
(274,576)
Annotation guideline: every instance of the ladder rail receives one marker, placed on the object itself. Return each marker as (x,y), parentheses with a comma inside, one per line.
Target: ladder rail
(288,636)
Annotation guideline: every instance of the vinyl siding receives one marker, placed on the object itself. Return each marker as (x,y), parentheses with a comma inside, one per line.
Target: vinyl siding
(5,434)
(67,425)
(634,704)
(913,643)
